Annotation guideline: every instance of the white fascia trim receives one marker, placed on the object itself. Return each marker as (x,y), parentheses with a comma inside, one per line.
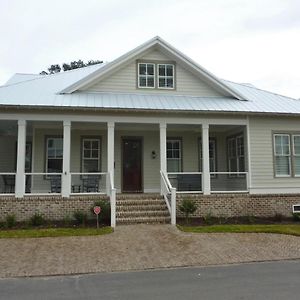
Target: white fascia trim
(274,190)
(136,51)
(108,67)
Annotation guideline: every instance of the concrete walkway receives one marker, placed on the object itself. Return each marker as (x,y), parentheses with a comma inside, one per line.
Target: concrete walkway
(139,247)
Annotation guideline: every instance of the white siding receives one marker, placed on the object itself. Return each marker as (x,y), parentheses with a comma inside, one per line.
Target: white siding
(124,80)
(262,168)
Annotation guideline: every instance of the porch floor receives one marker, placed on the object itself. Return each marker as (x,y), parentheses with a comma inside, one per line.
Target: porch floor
(137,247)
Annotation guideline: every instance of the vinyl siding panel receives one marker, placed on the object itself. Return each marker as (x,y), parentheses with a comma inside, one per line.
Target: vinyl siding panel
(261,139)
(125,80)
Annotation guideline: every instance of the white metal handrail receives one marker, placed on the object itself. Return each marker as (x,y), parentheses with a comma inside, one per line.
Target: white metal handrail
(40,173)
(88,173)
(8,173)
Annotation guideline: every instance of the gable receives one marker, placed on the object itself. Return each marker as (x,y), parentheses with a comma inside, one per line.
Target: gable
(124,79)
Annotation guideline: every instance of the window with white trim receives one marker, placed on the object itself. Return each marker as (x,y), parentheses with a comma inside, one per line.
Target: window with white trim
(174,163)
(90,155)
(282,155)
(54,154)
(146,75)
(296,154)
(212,155)
(236,154)
(165,76)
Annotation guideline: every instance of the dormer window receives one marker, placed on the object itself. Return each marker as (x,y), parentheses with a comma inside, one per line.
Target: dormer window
(146,76)
(165,76)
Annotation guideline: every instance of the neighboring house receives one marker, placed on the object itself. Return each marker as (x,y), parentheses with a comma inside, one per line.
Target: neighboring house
(151,121)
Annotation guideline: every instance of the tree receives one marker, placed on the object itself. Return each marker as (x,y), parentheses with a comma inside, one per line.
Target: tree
(76,64)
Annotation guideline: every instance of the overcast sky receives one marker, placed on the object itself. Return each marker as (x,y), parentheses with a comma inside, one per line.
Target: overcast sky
(251,41)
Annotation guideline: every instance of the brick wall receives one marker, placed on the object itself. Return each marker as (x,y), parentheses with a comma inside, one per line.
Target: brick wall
(50,207)
(233,205)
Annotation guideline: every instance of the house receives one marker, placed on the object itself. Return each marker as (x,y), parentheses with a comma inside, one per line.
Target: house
(152,125)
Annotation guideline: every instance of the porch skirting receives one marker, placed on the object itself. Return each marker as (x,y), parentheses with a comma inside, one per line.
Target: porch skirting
(50,207)
(236,205)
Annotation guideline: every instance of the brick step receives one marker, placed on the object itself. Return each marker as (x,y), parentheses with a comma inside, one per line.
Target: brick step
(138,196)
(140,202)
(146,213)
(144,220)
(151,207)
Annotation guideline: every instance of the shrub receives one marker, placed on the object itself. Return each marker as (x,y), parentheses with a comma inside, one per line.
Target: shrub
(209,219)
(67,220)
(10,221)
(296,217)
(187,207)
(104,216)
(80,217)
(37,220)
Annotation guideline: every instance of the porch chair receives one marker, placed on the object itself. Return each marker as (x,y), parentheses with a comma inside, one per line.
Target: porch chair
(90,184)
(9,183)
(55,182)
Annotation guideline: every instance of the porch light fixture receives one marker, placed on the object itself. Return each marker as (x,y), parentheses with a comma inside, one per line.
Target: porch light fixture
(153,154)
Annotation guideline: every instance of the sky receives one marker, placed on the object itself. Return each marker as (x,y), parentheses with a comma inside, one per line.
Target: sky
(255,41)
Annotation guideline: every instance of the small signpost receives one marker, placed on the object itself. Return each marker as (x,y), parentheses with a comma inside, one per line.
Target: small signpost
(97,210)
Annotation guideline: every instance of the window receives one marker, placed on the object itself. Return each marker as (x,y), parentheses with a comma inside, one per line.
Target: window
(90,155)
(236,154)
(165,76)
(54,154)
(282,154)
(174,155)
(212,156)
(146,75)
(296,153)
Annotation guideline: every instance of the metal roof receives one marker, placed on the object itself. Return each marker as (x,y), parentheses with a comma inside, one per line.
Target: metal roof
(42,91)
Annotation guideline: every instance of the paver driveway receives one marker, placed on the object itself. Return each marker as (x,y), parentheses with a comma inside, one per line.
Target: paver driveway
(139,247)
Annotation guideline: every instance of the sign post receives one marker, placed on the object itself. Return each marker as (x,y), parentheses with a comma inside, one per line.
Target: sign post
(97,210)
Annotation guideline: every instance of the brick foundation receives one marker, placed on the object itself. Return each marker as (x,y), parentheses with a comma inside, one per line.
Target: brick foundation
(235,205)
(50,207)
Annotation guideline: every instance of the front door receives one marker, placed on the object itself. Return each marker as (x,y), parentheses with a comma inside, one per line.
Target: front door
(132,165)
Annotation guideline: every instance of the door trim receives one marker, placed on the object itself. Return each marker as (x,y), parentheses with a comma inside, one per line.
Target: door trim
(141,139)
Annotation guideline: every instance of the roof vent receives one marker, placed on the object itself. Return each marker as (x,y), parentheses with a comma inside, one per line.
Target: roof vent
(296,208)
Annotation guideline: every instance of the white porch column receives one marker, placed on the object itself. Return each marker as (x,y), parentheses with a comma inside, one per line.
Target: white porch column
(21,150)
(66,176)
(163,150)
(111,148)
(205,160)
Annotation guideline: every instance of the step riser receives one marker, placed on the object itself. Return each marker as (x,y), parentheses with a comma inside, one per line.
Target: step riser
(141,209)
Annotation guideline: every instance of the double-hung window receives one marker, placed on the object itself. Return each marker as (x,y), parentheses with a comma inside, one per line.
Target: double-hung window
(212,156)
(54,154)
(146,75)
(165,76)
(174,163)
(90,155)
(283,153)
(236,154)
(296,154)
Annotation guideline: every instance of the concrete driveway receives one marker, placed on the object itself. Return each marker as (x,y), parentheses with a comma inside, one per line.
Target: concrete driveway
(139,247)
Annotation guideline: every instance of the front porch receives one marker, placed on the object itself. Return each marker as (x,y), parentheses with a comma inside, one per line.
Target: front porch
(68,158)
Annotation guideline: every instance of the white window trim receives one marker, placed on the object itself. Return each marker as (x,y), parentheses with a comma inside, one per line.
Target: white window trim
(166,77)
(47,158)
(294,154)
(275,155)
(91,158)
(180,152)
(154,76)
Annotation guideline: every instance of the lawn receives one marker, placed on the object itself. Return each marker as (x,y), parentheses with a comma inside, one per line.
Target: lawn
(53,232)
(292,229)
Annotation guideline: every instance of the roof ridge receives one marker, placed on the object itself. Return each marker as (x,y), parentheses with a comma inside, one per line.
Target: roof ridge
(260,89)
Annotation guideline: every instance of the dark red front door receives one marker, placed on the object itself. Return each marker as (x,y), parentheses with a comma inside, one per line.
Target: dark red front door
(132,165)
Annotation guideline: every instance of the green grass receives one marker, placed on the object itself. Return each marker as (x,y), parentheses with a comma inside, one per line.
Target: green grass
(291,229)
(53,232)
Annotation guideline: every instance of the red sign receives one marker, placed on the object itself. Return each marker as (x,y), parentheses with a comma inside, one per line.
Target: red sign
(97,210)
